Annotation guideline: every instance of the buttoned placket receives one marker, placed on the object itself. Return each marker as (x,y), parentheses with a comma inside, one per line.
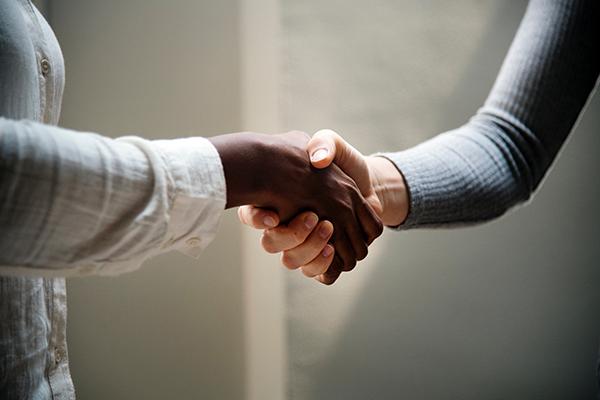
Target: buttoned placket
(193,242)
(45,67)
(55,289)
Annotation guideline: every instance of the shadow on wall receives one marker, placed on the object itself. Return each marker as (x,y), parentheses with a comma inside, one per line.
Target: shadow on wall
(504,310)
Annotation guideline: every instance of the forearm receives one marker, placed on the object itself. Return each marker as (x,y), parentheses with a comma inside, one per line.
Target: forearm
(477,172)
(78,203)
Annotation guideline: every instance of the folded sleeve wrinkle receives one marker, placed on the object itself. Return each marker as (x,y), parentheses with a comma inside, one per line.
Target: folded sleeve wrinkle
(80,203)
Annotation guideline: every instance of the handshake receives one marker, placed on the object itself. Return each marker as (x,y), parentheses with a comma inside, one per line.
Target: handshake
(319,200)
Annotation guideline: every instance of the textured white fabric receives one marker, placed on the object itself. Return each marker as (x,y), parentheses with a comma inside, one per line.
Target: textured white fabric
(76,203)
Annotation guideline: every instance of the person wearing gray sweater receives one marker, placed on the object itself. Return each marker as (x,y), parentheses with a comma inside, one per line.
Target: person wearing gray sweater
(477,172)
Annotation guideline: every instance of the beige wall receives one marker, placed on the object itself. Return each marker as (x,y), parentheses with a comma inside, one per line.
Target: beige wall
(174,329)
(264,294)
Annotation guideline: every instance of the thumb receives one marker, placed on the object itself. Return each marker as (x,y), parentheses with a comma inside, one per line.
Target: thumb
(326,146)
(322,148)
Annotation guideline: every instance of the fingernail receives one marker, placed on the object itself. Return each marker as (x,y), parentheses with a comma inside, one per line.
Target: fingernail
(327,251)
(324,231)
(269,221)
(310,221)
(319,154)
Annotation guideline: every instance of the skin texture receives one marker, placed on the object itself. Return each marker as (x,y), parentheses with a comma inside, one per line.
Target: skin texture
(274,172)
(379,181)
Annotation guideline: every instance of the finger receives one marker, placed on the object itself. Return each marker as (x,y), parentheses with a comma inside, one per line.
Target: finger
(258,218)
(344,249)
(355,231)
(285,237)
(370,223)
(310,248)
(332,273)
(320,263)
(356,238)
(328,279)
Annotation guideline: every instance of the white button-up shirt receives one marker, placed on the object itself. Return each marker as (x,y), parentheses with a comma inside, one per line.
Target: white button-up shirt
(74,203)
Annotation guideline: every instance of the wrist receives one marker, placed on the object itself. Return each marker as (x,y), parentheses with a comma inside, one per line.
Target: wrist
(241,155)
(390,187)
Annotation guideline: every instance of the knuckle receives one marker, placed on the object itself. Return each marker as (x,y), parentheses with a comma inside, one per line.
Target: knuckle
(379,227)
(320,133)
(303,134)
(335,268)
(377,231)
(298,236)
(329,278)
(328,133)
(362,253)
(321,280)
(349,266)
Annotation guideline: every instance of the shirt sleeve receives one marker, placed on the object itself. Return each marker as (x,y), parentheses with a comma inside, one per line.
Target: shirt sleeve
(75,203)
(480,170)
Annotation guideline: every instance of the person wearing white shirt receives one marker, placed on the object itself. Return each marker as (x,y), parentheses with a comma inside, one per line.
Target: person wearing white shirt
(74,203)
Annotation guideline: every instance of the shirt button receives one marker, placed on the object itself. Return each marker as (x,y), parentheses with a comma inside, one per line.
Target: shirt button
(45,64)
(193,242)
(58,355)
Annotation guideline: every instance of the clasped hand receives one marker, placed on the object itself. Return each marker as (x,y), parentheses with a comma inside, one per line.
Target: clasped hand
(337,185)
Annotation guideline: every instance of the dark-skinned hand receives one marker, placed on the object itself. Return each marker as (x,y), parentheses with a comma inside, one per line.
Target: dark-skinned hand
(274,172)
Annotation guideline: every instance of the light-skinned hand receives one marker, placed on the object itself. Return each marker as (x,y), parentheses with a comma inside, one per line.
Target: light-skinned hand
(303,247)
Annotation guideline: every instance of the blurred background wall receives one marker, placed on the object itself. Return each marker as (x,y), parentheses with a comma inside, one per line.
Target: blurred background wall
(505,310)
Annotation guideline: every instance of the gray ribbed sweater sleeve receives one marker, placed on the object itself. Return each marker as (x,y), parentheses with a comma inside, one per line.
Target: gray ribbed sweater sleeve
(478,171)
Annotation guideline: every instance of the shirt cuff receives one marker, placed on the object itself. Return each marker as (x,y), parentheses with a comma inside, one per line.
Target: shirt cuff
(197,193)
